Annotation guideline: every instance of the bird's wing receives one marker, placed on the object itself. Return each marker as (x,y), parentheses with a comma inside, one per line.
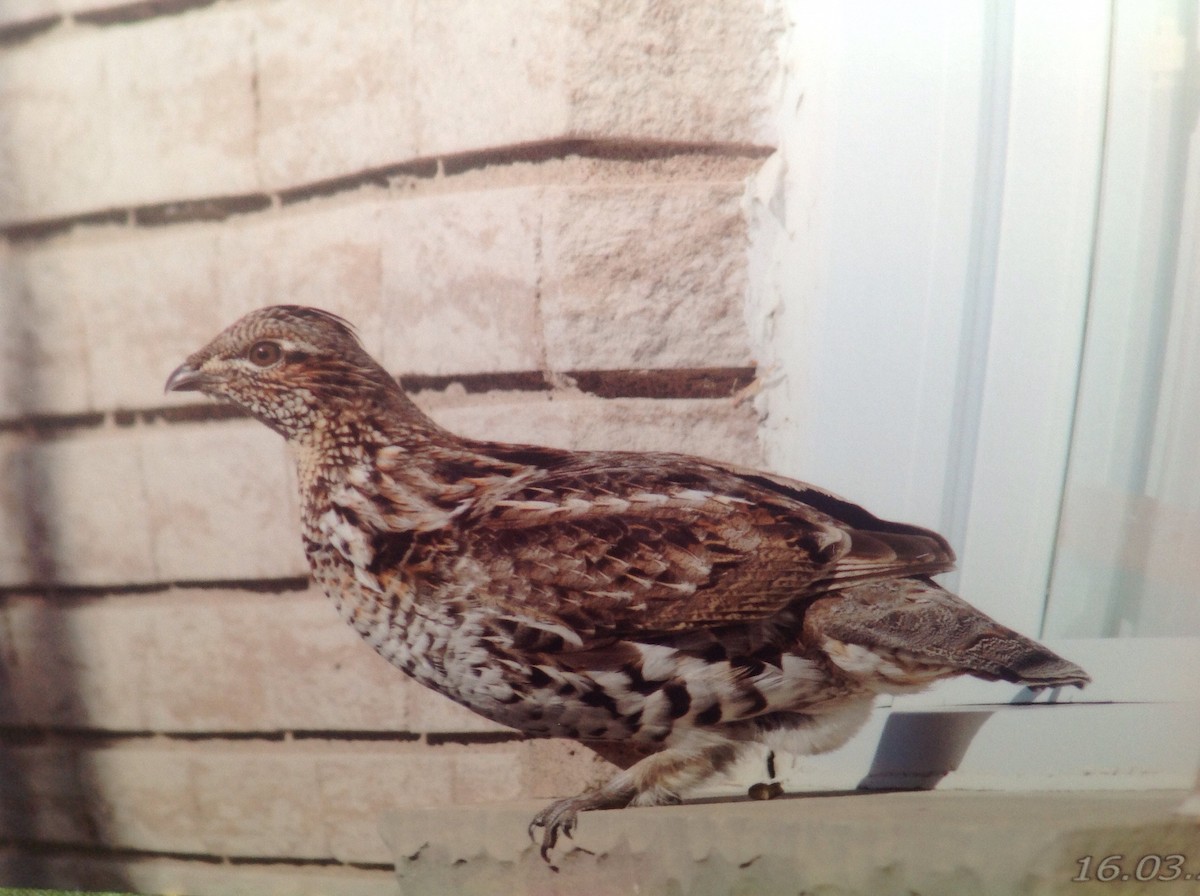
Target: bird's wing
(624,545)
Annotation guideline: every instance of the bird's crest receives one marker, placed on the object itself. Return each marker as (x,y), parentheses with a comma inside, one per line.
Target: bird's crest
(307,313)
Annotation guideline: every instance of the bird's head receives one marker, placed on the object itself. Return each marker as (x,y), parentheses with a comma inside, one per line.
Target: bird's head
(289,366)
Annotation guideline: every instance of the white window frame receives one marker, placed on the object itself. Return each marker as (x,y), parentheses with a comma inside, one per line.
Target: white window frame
(922,251)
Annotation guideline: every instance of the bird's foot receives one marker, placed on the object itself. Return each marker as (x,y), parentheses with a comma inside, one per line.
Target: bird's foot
(561,816)
(765,790)
(770,789)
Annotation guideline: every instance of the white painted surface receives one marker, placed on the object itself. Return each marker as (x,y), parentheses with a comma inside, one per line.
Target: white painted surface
(1056,125)
(921,265)
(924,241)
(869,209)
(1128,555)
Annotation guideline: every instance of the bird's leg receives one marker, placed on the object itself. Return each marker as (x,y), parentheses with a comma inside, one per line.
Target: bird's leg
(656,780)
(770,788)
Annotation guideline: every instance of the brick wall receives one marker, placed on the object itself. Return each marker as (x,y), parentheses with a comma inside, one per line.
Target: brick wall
(533,211)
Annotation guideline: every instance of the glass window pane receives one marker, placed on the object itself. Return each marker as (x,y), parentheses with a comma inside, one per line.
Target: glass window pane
(1127,558)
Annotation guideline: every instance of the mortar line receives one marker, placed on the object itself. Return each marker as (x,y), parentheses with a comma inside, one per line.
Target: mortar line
(209,209)
(654,383)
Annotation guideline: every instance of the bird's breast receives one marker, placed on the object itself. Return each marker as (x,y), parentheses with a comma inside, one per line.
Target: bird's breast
(437,641)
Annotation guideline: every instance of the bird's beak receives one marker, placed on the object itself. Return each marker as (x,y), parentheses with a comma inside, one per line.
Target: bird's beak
(185,378)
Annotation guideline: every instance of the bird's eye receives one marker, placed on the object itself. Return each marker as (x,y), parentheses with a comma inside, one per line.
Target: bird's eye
(264,354)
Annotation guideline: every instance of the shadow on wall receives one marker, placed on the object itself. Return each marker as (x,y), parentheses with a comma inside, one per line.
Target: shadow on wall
(49,793)
(917,749)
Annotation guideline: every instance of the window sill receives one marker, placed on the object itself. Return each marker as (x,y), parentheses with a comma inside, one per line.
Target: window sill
(931,842)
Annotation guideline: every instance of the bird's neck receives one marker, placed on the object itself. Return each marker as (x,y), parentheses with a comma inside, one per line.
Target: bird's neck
(344,441)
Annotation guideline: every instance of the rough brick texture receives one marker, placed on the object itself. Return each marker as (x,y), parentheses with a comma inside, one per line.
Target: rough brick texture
(252,96)
(512,201)
(565,276)
(304,798)
(189,653)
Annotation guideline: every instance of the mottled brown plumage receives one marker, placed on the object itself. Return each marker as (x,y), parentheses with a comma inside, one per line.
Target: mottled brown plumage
(680,606)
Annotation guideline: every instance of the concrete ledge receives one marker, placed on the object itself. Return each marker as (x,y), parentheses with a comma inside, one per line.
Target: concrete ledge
(953,843)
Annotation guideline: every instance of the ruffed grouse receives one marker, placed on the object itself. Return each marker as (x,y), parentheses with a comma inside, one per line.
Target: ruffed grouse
(679,605)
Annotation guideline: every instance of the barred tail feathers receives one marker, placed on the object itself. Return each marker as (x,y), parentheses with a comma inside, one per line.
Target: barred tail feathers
(919,621)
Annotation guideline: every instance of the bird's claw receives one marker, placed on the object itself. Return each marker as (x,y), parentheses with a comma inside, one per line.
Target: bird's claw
(557,818)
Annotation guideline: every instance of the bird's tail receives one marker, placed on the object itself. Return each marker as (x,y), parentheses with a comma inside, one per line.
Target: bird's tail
(1023,661)
(920,620)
